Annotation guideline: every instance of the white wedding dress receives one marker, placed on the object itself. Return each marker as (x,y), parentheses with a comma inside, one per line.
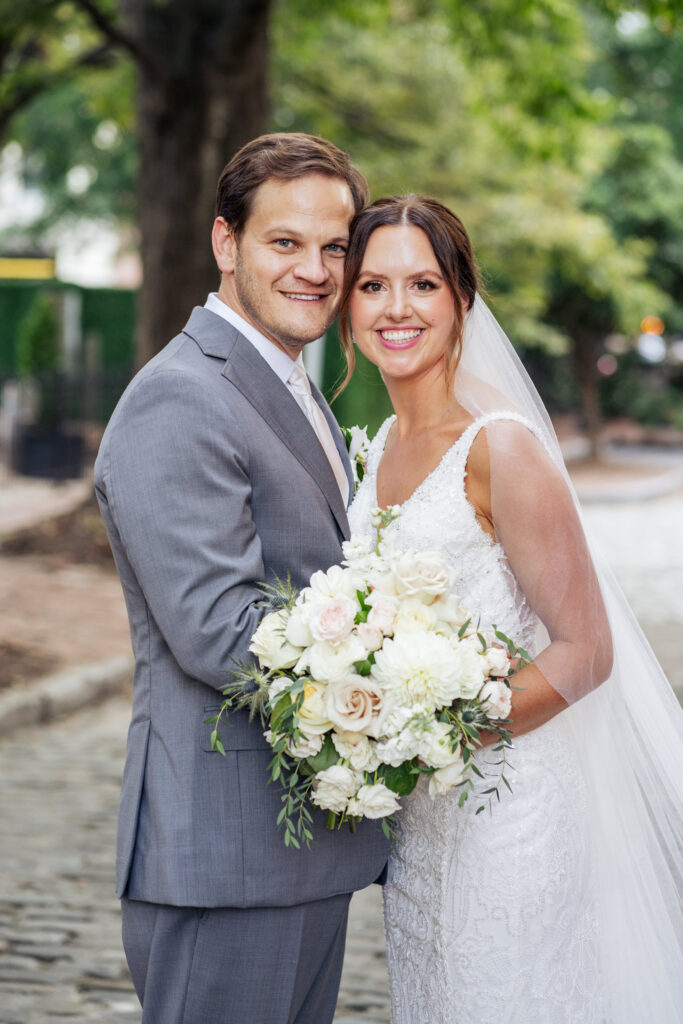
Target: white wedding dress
(490,918)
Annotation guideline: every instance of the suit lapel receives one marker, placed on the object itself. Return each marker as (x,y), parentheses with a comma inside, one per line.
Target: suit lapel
(264,390)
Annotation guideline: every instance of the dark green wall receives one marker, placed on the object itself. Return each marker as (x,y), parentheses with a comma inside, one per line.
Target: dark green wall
(108,312)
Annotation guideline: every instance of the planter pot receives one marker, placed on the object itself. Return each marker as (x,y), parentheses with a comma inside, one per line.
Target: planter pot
(47,452)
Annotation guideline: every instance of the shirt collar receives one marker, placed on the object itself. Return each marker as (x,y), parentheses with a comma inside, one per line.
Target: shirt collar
(279,361)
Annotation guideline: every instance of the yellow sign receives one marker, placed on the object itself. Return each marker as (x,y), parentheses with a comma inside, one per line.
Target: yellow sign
(29,267)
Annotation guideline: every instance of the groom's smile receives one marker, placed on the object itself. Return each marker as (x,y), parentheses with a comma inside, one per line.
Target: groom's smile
(283,273)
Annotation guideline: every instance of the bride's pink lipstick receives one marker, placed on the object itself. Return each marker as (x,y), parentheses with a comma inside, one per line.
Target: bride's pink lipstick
(404,337)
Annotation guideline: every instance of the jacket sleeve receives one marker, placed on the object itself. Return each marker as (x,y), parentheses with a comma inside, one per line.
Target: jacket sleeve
(175,477)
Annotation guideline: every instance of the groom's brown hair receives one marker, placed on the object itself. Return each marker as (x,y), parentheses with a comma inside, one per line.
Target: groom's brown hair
(283,156)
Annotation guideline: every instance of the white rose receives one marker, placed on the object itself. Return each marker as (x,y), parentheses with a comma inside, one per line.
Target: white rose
(355,704)
(328,662)
(278,685)
(332,620)
(419,668)
(414,616)
(269,644)
(373,801)
(357,749)
(333,788)
(446,778)
(450,611)
(370,637)
(308,746)
(496,699)
(383,612)
(438,754)
(336,582)
(312,713)
(423,574)
(469,668)
(297,631)
(497,661)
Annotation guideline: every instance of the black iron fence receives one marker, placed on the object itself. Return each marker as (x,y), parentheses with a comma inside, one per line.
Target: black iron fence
(50,424)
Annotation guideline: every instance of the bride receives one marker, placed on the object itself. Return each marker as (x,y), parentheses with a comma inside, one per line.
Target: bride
(561,905)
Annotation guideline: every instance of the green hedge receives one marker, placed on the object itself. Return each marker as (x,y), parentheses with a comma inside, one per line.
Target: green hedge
(108,312)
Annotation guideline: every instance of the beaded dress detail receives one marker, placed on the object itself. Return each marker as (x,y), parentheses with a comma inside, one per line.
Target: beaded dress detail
(489,918)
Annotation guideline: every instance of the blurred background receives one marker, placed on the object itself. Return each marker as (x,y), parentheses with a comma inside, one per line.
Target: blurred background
(554,129)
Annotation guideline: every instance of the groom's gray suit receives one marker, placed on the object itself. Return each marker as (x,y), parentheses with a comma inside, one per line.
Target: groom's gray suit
(211,479)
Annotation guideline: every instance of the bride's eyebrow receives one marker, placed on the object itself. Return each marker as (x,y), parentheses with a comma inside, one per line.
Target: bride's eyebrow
(410,277)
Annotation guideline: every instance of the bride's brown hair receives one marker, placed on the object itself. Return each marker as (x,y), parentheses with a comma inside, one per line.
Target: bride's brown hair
(452,249)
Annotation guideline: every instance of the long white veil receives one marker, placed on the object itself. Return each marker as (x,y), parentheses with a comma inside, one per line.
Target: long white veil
(629,735)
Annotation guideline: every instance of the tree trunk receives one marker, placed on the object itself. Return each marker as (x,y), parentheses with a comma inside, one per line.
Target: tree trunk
(584,352)
(201,97)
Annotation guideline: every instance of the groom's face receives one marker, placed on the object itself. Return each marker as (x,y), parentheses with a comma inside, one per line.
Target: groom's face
(284,273)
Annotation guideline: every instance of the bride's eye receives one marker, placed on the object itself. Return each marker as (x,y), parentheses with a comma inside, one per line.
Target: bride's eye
(371,286)
(425,286)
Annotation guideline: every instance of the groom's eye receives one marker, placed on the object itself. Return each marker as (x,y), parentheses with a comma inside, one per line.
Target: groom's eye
(284,243)
(335,249)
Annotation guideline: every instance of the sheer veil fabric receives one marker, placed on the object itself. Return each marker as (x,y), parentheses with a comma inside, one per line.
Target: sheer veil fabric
(628,728)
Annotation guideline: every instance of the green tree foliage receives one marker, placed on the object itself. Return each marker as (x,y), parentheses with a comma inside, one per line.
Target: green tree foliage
(552,128)
(497,109)
(200,72)
(66,97)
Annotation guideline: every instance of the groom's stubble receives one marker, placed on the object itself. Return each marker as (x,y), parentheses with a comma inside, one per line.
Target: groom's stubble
(284,271)
(291,337)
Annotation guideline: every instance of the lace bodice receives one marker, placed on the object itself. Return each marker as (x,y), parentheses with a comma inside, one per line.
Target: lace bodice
(438,516)
(489,918)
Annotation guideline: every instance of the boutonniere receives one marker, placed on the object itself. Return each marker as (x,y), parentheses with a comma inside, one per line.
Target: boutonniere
(358,445)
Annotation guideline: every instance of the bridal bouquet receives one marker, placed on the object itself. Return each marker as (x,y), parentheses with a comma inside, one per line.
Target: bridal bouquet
(369,677)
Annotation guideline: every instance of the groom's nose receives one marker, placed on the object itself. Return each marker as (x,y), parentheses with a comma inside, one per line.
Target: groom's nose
(310,267)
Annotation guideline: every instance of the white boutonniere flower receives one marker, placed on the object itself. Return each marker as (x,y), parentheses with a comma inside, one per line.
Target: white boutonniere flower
(358,445)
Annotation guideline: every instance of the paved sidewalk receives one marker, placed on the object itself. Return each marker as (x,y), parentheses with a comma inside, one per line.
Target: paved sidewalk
(25,501)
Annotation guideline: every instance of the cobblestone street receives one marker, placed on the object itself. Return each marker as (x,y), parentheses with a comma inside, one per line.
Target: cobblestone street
(60,950)
(60,946)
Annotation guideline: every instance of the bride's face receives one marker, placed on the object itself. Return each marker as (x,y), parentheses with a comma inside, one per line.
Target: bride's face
(402,310)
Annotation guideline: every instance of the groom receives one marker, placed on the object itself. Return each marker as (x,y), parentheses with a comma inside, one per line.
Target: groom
(222,467)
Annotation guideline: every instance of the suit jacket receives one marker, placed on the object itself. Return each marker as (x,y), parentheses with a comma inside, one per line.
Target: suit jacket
(210,479)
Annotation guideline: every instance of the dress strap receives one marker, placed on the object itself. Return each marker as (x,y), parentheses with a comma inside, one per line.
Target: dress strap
(466,439)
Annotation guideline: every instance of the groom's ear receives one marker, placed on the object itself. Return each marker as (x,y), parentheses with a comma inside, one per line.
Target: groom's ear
(224,245)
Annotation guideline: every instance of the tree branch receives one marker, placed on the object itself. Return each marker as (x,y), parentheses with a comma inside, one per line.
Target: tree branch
(121,39)
(97,57)
(357,114)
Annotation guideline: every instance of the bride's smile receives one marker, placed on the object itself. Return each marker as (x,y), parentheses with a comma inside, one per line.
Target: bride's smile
(402,310)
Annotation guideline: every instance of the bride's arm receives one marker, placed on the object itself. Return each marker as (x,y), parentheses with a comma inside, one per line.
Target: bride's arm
(521,495)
